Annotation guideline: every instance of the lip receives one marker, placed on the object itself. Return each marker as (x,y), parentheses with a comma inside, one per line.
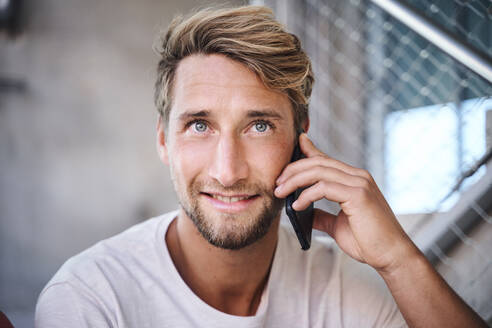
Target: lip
(233,207)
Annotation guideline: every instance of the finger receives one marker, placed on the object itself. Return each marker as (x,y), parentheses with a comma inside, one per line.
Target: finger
(312,175)
(309,149)
(333,191)
(307,146)
(321,160)
(324,221)
(317,157)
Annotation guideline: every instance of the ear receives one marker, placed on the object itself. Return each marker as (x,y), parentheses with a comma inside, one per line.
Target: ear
(305,124)
(161,142)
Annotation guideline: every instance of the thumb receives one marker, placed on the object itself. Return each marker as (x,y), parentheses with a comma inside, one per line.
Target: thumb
(324,221)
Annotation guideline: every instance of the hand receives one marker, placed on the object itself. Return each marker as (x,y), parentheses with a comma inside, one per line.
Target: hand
(365,228)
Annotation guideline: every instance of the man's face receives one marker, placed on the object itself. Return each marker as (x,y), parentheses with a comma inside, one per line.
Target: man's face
(228,139)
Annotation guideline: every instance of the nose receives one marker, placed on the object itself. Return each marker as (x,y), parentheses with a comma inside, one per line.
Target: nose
(229,164)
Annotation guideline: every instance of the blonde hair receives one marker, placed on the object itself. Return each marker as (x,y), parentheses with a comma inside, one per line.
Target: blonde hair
(249,35)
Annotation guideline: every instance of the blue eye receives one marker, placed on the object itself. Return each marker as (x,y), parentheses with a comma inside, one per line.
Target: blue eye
(200,126)
(261,126)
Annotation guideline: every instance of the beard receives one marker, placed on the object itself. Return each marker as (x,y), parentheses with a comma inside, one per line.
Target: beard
(226,230)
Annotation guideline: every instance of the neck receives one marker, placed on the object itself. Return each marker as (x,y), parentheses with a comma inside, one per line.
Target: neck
(231,281)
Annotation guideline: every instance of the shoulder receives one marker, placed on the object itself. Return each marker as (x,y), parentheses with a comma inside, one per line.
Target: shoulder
(366,300)
(336,283)
(305,271)
(61,305)
(105,281)
(325,256)
(322,254)
(113,256)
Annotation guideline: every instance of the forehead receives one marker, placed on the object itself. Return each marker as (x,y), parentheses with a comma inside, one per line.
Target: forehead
(217,83)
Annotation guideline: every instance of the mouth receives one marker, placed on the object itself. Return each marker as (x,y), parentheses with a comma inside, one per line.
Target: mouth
(230,203)
(230,199)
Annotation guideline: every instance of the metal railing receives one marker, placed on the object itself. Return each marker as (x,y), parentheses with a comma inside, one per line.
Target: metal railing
(403,90)
(449,43)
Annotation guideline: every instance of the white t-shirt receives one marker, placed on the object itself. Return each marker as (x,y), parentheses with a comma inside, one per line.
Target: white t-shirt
(130,280)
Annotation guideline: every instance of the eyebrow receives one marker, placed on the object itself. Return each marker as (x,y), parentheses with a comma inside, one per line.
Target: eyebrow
(264,113)
(193,114)
(253,113)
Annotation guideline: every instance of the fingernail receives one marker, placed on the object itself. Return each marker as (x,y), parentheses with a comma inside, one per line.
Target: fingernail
(278,189)
(294,205)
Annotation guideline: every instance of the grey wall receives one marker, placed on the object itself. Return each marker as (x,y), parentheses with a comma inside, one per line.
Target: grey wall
(77,149)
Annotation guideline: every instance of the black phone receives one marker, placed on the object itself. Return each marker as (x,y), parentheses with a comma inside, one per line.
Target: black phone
(302,221)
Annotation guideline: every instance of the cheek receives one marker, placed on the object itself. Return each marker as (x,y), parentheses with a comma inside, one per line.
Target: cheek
(268,160)
(187,160)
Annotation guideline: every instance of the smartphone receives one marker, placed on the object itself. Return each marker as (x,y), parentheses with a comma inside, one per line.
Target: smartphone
(302,221)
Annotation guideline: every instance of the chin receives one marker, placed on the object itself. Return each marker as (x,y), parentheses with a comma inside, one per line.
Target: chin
(234,231)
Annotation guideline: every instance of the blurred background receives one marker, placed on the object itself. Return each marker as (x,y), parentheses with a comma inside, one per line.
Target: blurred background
(403,89)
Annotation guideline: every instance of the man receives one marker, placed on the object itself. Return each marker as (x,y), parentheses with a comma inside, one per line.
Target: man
(232,90)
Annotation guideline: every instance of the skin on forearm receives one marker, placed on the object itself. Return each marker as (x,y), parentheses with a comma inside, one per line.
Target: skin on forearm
(425,299)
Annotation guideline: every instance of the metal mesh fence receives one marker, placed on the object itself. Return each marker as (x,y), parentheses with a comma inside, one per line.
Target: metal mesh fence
(389,100)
